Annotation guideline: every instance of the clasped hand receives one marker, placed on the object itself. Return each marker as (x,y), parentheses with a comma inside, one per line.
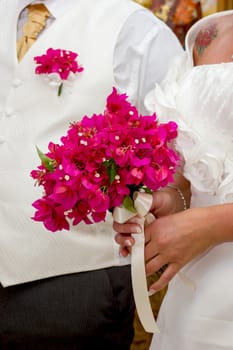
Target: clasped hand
(173,239)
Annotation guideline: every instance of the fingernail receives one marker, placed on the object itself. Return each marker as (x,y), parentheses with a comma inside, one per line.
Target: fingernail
(151,292)
(128,243)
(137,229)
(124,255)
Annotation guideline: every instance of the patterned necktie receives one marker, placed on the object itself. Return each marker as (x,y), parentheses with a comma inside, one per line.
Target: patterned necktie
(37,17)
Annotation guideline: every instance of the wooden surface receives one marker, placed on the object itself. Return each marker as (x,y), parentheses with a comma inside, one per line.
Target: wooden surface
(225,5)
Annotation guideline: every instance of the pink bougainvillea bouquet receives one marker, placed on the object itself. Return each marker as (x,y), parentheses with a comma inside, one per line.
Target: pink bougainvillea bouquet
(100,162)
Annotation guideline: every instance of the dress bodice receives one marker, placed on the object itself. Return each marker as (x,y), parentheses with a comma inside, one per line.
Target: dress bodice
(200,100)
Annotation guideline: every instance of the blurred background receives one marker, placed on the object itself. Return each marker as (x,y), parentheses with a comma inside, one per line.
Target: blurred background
(180,15)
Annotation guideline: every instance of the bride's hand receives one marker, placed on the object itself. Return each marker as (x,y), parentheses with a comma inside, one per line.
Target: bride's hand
(165,202)
(175,240)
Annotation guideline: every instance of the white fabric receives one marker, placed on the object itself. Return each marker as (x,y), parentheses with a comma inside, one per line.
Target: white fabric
(32,114)
(147,36)
(200,100)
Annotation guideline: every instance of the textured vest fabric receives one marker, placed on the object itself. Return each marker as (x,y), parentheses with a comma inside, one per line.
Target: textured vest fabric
(32,114)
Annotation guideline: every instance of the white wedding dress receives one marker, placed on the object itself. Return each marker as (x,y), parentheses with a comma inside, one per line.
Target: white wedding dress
(198,314)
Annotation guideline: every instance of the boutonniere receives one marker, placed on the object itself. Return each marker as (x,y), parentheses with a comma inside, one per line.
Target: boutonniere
(58,65)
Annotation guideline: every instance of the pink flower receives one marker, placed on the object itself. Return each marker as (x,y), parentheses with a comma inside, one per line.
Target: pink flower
(60,62)
(100,162)
(52,215)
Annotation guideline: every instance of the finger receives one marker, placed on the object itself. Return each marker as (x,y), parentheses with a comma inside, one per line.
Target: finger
(124,240)
(135,220)
(125,251)
(147,238)
(155,264)
(151,231)
(164,279)
(127,228)
(151,248)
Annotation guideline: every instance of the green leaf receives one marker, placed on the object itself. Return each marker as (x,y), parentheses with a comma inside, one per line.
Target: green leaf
(129,204)
(111,169)
(48,163)
(146,190)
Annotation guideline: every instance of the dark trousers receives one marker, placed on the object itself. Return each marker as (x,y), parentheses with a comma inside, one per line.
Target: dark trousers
(81,311)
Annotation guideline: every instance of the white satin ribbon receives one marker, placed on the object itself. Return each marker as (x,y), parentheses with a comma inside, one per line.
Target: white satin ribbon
(142,204)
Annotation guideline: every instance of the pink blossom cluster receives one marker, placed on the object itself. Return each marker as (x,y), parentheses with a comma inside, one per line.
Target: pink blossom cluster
(58,61)
(100,162)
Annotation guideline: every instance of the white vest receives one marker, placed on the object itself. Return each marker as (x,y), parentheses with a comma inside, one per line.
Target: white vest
(32,114)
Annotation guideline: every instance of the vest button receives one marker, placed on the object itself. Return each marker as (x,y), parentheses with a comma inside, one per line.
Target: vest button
(2,140)
(9,111)
(17,82)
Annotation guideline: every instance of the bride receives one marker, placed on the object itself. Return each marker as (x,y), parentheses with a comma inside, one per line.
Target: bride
(195,245)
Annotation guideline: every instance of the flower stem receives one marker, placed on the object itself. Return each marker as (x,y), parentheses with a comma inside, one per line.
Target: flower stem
(60,89)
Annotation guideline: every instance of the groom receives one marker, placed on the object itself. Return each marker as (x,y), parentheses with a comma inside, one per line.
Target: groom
(68,290)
